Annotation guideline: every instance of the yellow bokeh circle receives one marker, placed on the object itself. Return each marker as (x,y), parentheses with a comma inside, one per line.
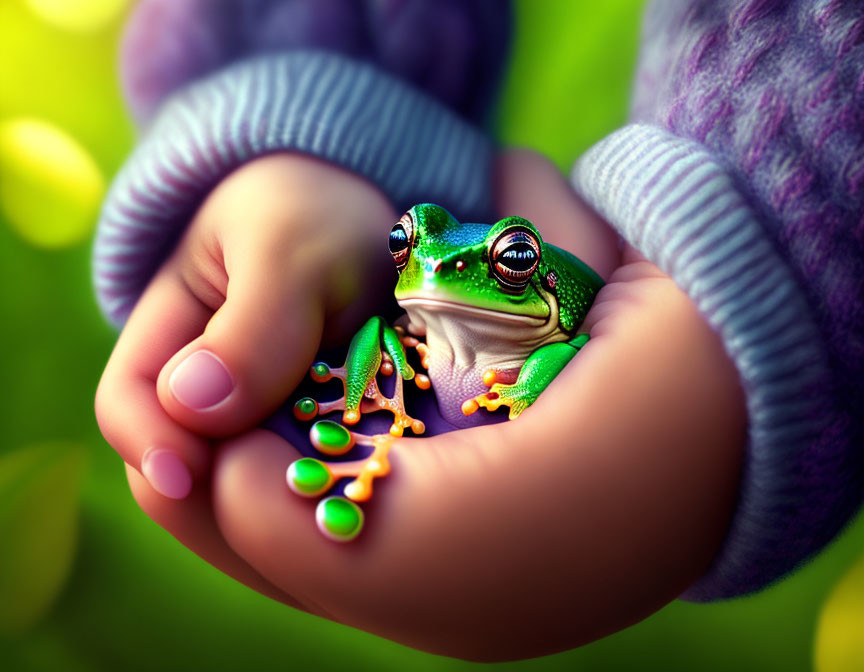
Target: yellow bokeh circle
(840,633)
(78,15)
(50,186)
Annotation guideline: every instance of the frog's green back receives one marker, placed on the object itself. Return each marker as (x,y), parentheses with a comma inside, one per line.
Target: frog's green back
(576,286)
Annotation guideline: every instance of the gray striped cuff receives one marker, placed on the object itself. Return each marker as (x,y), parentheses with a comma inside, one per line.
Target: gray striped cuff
(675,203)
(412,147)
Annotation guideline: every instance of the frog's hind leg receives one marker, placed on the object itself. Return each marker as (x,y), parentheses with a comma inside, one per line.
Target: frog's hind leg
(358,373)
(408,341)
(365,359)
(396,405)
(374,399)
(376,347)
(362,365)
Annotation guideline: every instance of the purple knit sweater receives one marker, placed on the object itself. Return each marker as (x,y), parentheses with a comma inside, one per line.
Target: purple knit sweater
(742,177)
(215,83)
(452,49)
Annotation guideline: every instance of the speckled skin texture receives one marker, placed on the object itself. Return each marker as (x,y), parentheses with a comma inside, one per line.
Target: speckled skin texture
(473,323)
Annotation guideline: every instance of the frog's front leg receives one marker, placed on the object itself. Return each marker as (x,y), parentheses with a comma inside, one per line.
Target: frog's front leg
(536,373)
(409,340)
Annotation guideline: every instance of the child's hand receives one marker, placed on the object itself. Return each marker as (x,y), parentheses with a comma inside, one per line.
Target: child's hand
(600,504)
(279,246)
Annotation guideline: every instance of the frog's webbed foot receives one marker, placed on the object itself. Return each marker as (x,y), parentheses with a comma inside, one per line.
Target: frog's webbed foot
(338,517)
(536,374)
(516,396)
(373,399)
(307,408)
(376,349)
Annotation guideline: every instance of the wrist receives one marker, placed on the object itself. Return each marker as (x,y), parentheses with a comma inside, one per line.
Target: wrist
(372,124)
(677,203)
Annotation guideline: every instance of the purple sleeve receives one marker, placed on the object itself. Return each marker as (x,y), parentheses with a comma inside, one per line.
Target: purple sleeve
(386,89)
(454,50)
(743,178)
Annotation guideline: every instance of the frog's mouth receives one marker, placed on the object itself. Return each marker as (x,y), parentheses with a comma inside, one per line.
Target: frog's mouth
(442,305)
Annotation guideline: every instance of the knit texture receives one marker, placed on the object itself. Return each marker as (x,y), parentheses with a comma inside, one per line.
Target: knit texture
(775,89)
(345,112)
(770,94)
(453,49)
(671,199)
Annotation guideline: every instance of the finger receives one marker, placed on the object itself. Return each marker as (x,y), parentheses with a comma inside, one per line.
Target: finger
(192,523)
(618,294)
(531,186)
(254,350)
(291,254)
(365,583)
(127,409)
(241,478)
(602,503)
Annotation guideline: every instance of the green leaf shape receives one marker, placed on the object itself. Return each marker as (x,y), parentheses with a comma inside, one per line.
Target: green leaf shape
(39,510)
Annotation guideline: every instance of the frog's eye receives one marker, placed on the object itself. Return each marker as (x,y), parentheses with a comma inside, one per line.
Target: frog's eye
(401,240)
(513,257)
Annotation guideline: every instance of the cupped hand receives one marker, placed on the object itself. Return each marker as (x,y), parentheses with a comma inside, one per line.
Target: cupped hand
(599,505)
(225,330)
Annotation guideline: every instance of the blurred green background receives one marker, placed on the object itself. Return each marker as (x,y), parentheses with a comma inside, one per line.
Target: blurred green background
(87,582)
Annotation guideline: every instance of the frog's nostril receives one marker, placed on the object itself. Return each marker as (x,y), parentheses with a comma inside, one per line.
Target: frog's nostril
(460,265)
(437,265)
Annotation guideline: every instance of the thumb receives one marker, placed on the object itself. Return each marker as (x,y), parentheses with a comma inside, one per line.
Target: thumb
(253,352)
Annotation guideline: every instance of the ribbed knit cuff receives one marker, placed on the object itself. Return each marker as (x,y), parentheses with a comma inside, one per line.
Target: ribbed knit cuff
(346,112)
(672,200)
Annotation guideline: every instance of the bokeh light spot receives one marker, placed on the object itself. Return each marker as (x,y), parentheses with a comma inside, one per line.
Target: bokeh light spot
(78,15)
(840,634)
(50,186)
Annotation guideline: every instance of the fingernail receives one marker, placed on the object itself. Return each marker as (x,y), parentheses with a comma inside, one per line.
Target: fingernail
(167,473)
(201,381)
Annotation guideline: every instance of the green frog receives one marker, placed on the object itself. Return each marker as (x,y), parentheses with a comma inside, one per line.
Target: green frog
(494,314)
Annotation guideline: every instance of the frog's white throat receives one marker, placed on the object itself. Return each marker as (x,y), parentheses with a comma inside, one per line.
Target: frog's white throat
(464,341)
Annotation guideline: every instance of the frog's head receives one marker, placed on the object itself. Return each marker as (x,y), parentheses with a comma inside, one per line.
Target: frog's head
(492,271)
